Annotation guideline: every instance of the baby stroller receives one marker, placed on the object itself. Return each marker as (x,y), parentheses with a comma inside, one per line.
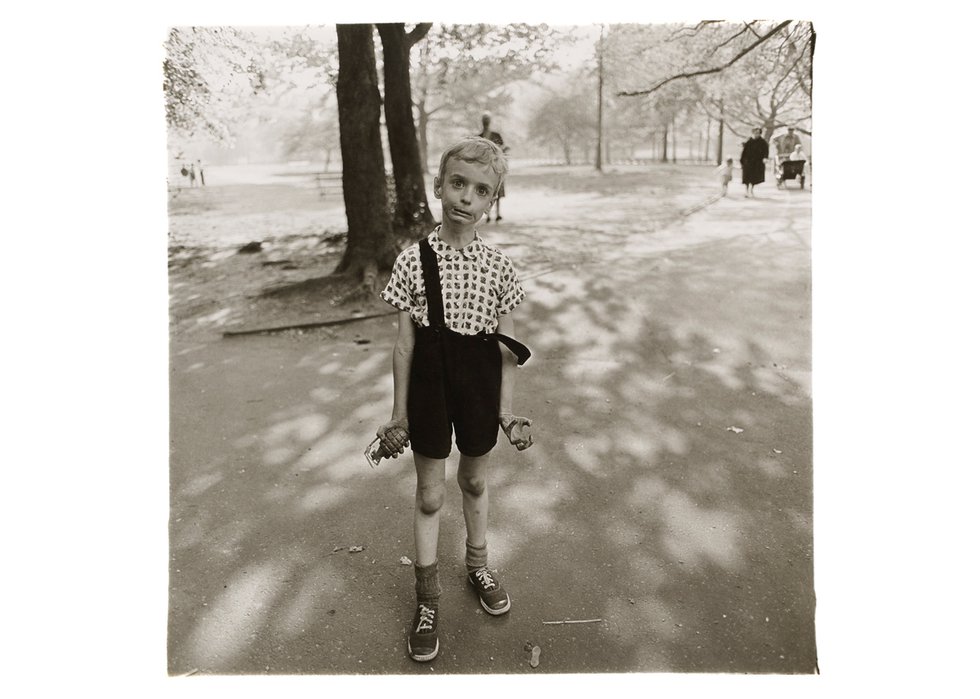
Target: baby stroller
(787,169)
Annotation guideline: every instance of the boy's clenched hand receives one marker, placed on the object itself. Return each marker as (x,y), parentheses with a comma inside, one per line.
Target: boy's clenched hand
(517,429)
(394,437)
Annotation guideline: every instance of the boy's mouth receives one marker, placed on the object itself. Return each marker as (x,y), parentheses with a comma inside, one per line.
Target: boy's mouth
(461,213)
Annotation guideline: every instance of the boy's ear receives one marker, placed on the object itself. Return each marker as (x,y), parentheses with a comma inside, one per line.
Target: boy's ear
(437,186)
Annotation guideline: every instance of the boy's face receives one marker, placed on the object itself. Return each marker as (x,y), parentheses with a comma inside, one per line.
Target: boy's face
(466,191)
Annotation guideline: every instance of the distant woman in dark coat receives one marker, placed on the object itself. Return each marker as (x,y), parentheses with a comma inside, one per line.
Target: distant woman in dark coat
(754,154)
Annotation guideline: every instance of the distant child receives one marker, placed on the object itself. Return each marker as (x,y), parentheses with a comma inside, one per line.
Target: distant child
(798,153)
(455,294)
(724,173)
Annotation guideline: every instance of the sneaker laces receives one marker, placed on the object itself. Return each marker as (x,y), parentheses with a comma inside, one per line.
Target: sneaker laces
(427,617)
(486,579)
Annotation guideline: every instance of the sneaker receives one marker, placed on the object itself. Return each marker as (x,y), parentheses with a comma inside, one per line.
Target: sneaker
(493,597)
(423,637)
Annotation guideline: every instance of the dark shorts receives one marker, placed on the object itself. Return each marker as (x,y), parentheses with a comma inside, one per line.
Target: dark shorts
(454,386)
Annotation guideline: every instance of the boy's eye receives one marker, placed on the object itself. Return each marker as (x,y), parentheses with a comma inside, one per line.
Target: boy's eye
(457,183)
(484,192)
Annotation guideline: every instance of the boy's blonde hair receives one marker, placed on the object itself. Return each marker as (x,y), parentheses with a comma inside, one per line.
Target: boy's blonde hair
(476,149)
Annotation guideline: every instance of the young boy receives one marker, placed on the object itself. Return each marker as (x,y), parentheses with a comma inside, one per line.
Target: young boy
(455,294)
(725,175)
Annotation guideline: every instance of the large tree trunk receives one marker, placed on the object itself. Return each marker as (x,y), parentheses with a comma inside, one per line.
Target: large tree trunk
(370,244)
(412,207)
(721,135)
(424,137)
(673,140)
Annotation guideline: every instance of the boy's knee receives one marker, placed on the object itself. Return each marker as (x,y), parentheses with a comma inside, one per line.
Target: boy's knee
(430,498)
(472,485)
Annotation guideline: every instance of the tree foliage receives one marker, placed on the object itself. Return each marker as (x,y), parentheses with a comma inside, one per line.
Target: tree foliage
(754,74)
(463,70)
(567,117)
(313,133)
(207,74)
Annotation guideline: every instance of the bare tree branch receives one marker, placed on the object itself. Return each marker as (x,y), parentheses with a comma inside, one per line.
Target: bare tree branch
(692,31)
(707,71)
(730,39)
(418,33)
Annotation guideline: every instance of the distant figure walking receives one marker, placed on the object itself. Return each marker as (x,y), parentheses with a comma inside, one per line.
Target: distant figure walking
(725,174)
(755,151)
(193,175)
(493,137)
(200,172)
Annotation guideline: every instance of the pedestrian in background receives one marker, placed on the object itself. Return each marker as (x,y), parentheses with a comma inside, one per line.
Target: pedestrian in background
(493,137)
(725,173)
(755,152)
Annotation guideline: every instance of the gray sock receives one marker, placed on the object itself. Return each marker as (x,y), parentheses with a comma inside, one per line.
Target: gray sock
(476,557)
(427,588)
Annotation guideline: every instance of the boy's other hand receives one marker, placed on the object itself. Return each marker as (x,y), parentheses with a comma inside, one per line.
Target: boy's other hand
(518,430)
(394,436)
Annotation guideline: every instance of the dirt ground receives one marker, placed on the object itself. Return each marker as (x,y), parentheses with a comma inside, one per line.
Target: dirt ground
(668,494)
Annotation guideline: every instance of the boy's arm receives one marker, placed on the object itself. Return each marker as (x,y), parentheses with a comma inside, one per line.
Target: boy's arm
(394,433)
(508,364)
(517,429)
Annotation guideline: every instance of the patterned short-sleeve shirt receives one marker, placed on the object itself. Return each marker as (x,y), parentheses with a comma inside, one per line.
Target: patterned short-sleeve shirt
(478,283)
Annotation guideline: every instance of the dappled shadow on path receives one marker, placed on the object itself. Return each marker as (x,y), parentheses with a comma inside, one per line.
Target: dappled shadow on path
(638,505)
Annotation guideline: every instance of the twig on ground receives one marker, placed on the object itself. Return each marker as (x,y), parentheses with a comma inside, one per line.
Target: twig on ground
(573,621)
(304,326)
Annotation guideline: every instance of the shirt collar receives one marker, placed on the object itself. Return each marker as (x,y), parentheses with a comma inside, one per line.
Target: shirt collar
(475,250)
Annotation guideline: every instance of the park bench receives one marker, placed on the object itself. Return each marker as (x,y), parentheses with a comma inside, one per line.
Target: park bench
(327,181)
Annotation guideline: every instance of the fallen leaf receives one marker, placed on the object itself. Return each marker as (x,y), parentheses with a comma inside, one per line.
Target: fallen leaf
(355,549)
(405,561)
(535,655)
(736,430)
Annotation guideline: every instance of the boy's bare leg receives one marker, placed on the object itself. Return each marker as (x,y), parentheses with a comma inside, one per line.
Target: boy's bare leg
(430,493)
(472,480)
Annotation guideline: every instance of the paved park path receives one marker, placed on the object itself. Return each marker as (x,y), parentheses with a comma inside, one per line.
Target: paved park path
(668,494)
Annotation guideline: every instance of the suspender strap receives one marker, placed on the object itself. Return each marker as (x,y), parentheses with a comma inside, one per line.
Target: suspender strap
(433,289)
(522,352)
(433,298)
